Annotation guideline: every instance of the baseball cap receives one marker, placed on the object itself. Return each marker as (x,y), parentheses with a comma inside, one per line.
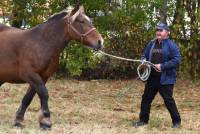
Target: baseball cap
(163,26)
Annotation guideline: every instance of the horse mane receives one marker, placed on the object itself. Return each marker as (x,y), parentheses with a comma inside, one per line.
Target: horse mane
(60,15)
(54,18)
(57,16)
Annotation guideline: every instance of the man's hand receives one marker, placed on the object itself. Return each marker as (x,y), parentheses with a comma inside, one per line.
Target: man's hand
(158,66)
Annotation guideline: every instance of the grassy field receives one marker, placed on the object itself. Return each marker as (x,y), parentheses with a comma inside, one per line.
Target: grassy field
(100,107)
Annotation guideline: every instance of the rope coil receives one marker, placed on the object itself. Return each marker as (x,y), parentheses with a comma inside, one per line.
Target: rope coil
(145,65)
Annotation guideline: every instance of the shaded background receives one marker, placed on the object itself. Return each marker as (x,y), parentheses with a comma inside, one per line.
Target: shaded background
(126,25)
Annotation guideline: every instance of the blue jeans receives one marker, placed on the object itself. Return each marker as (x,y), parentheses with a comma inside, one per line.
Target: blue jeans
(166,91)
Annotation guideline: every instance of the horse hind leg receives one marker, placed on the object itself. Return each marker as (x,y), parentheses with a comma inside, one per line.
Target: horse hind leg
(22,108)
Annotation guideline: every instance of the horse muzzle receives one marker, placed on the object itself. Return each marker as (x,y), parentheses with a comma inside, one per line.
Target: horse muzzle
(98,45)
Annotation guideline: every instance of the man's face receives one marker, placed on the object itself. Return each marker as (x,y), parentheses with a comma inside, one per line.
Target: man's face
(161,34)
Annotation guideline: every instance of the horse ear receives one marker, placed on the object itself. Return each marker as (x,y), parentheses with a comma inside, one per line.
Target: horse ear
(81,8)
(74,13)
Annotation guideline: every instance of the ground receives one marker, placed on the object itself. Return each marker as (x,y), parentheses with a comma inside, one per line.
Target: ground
(100,107)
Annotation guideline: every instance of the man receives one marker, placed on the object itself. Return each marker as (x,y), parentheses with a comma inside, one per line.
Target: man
(165,54)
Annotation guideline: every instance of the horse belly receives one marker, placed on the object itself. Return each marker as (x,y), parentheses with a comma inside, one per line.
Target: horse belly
(10,75)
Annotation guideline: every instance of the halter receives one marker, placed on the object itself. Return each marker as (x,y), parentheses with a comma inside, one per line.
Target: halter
(81,35)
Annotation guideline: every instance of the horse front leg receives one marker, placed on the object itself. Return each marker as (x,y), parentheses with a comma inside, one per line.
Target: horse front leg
(23,106)
(39,85)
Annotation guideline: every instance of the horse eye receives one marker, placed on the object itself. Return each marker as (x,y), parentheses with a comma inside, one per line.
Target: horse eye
(82,21)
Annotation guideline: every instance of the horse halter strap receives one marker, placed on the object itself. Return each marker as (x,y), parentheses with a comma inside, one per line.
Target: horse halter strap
(69,25)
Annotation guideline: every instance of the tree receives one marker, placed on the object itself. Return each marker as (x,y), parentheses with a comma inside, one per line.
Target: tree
(163,12)
(126,26)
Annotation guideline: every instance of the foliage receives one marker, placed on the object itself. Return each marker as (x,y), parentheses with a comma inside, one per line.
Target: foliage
(126,26)
(76,58)
(186,25)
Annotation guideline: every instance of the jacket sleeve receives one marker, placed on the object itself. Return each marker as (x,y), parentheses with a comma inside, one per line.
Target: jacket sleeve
(145,55)
(174,58)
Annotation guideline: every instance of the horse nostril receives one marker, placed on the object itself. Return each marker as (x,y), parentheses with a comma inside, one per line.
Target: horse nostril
(99,45)
(99,42)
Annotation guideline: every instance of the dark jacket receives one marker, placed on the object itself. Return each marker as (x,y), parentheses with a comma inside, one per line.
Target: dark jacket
(171,59)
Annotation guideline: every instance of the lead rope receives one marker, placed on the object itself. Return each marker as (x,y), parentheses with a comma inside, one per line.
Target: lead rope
(146,71)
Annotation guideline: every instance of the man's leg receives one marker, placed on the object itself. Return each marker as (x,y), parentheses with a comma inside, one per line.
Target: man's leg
(147,98)
(166,92)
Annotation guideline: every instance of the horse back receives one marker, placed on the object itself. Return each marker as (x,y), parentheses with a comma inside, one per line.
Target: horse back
(4,27)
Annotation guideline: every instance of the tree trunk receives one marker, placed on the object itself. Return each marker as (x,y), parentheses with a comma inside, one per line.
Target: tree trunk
(163,12)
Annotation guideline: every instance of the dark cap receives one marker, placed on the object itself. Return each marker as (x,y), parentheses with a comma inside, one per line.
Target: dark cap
(163,26)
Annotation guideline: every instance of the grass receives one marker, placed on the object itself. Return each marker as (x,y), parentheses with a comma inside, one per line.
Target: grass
(100,107)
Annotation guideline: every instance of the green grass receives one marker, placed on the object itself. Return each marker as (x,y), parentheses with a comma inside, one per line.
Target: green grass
(99,107)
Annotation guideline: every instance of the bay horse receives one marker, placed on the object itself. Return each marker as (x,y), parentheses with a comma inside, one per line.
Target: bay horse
(32,56)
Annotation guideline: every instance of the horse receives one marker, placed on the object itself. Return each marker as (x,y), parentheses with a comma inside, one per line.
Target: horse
(32,55)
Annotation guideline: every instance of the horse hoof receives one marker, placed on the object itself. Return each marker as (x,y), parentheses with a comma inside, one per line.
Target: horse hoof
(18,125)
(45,126)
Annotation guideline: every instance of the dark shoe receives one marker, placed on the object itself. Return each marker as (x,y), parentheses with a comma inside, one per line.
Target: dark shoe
(139,123)
(176,125)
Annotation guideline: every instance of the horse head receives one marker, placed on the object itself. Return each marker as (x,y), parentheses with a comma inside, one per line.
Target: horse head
(80,28)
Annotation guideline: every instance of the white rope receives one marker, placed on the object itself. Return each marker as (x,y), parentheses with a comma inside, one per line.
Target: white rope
(145,65)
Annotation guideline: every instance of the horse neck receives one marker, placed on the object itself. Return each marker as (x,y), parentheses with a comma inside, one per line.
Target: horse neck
(53,33)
